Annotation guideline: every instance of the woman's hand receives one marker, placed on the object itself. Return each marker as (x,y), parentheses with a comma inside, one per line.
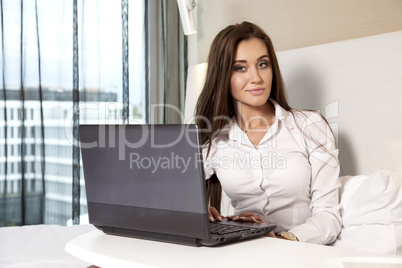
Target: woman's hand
(247,217)
(214,215)
(271,234)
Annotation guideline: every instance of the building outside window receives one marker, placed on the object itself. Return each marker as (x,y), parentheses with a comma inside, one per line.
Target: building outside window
(100,99)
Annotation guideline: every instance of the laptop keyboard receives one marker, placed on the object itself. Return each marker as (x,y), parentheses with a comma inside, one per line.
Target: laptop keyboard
(222,229)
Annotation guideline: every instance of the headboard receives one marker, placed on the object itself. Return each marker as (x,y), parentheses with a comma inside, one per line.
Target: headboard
(356,84)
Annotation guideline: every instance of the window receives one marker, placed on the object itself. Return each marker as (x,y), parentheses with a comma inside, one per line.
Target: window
(100,87)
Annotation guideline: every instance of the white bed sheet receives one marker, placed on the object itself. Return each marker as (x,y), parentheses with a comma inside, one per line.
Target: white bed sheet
(39,246)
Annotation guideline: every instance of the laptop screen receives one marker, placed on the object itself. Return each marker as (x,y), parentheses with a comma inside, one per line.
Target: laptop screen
(145,177)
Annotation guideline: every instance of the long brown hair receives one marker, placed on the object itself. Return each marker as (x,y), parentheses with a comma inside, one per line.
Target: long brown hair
(215,100)
(215,103)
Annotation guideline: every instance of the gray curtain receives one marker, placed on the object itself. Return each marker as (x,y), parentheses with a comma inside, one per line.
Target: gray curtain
(66,63)
(166,63)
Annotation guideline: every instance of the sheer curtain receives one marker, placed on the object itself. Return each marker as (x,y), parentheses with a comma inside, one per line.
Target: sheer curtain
(72,62)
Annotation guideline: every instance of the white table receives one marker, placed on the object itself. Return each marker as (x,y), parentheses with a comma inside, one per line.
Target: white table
(107,251)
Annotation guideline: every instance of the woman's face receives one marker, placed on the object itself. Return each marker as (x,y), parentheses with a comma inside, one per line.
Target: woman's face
(251,73)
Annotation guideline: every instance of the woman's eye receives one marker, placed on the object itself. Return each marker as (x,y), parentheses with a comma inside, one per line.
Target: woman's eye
(239,68)
(263,64)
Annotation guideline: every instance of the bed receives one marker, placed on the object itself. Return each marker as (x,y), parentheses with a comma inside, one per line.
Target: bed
(39,246)
(357,85)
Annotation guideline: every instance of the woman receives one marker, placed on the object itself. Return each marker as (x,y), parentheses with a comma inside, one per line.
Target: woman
(276,164)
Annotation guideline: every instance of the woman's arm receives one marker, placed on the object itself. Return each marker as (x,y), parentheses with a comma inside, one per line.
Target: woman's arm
(324,225)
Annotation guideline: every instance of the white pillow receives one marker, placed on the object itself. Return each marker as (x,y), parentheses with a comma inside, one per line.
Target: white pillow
(371,213)
(373,199)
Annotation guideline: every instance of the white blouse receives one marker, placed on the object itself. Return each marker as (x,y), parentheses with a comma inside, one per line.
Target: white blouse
(288,179)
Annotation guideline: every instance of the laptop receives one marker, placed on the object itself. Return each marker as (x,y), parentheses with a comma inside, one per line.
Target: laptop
(146,181)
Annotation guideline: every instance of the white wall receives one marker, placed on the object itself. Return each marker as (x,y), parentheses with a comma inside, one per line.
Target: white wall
(359,82)
(295,23)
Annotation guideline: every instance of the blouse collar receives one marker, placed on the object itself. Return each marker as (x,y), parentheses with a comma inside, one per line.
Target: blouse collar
(281,115)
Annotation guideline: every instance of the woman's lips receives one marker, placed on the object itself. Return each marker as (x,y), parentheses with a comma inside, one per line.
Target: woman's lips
(256,91)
